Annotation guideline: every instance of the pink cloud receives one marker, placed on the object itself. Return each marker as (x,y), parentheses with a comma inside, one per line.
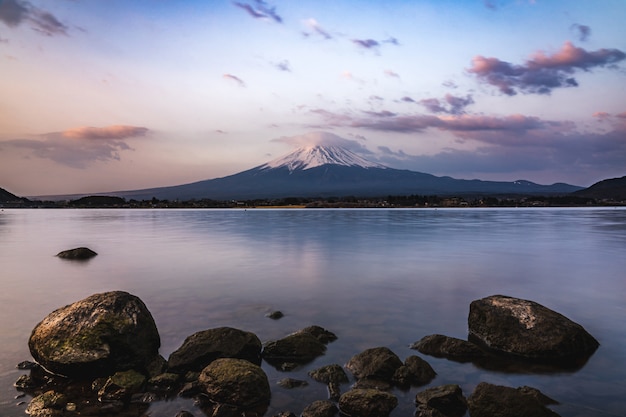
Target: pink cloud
(542,72)
(116,132)
(234,78)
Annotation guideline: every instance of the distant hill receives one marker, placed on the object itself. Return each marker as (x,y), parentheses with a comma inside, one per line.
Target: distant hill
(7,197)
(611,189)
(333,171)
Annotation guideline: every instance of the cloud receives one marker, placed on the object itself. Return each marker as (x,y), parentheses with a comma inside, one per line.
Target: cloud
(234,78)
(324,138)
(109,132)
(79,147)
(283,66)
(316,28)
(542,72)
(392,74)
(15,12)
(366,43)
(464,125)
(455,105)
(260,10)
(582,31)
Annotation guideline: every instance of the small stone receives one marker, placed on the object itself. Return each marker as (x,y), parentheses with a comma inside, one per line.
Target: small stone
(77,254)
(275,315)
(320,408)
(290,383)
(447,399)
(367,403)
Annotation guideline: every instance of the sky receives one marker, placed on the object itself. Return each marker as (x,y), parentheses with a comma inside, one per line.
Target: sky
(109,95)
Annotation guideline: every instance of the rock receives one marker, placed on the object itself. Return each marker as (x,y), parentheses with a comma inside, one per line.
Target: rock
(446,399)
(333,376)
(320,408)
(376,363)
(319,333)
(527,329)
(329,373)
(367,403)
(299,348)
(77,254)
(121,386)
(415,371)
(490,400)
(291,383)
(275,315)
(48,404)
(448,347)
(165,382)
(102,334)
(202,348)
(184,413)
(236,382)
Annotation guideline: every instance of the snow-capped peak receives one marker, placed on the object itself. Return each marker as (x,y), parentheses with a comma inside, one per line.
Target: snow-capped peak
(314,156)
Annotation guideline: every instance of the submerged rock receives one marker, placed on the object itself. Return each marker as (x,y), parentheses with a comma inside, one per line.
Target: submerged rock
(77,254)
(490,400)
(99,335)
(527,329)
(202,348)
(448,347)
(48,404)
(235,382)
(320,408)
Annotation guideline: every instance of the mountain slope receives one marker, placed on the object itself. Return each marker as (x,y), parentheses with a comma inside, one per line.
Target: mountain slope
(611,189)
(6,197)
(325,171)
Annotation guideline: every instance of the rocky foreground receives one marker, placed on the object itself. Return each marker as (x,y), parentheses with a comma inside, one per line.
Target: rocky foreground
(100,357)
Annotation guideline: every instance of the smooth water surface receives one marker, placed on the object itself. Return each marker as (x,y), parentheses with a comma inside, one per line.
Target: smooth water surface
(374,277)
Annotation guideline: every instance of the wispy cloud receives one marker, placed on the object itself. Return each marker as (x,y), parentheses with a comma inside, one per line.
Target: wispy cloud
(326,139)
(260,10)
(283,66)
(15,12)
(316,28)
(79,147)
(108,132)
(582,31)
(450,104)
(543,72)
(392,74)
(234,78)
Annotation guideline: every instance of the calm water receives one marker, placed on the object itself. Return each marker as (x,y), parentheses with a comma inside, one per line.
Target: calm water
(374,277)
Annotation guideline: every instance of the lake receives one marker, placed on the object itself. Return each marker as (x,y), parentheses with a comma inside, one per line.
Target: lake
(380,277)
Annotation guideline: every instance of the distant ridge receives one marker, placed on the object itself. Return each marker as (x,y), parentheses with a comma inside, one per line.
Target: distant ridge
(609,189)
(333,171)
(7,197)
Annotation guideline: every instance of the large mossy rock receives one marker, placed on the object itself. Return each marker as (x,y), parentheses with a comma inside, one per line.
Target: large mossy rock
(235,382)
(102,334)
(297,348)
(202,348)
(367,403)
(527,329)
(490,400)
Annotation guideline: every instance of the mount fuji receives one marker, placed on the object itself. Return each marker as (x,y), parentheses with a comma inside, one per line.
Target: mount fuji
(333,171)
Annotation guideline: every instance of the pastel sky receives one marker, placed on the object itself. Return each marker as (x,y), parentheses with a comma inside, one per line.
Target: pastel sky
(106,95)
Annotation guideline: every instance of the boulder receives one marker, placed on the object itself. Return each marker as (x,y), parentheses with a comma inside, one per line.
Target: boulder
(446,399)
(77,254)
(367,403)
(490,400)
(448,347)
(48,404)
(320,408)
(100,335)
(202,348)
(235,382)
(329,373)
(415,371)
(378,363)
(527,329)
(299,348)
(321,334)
